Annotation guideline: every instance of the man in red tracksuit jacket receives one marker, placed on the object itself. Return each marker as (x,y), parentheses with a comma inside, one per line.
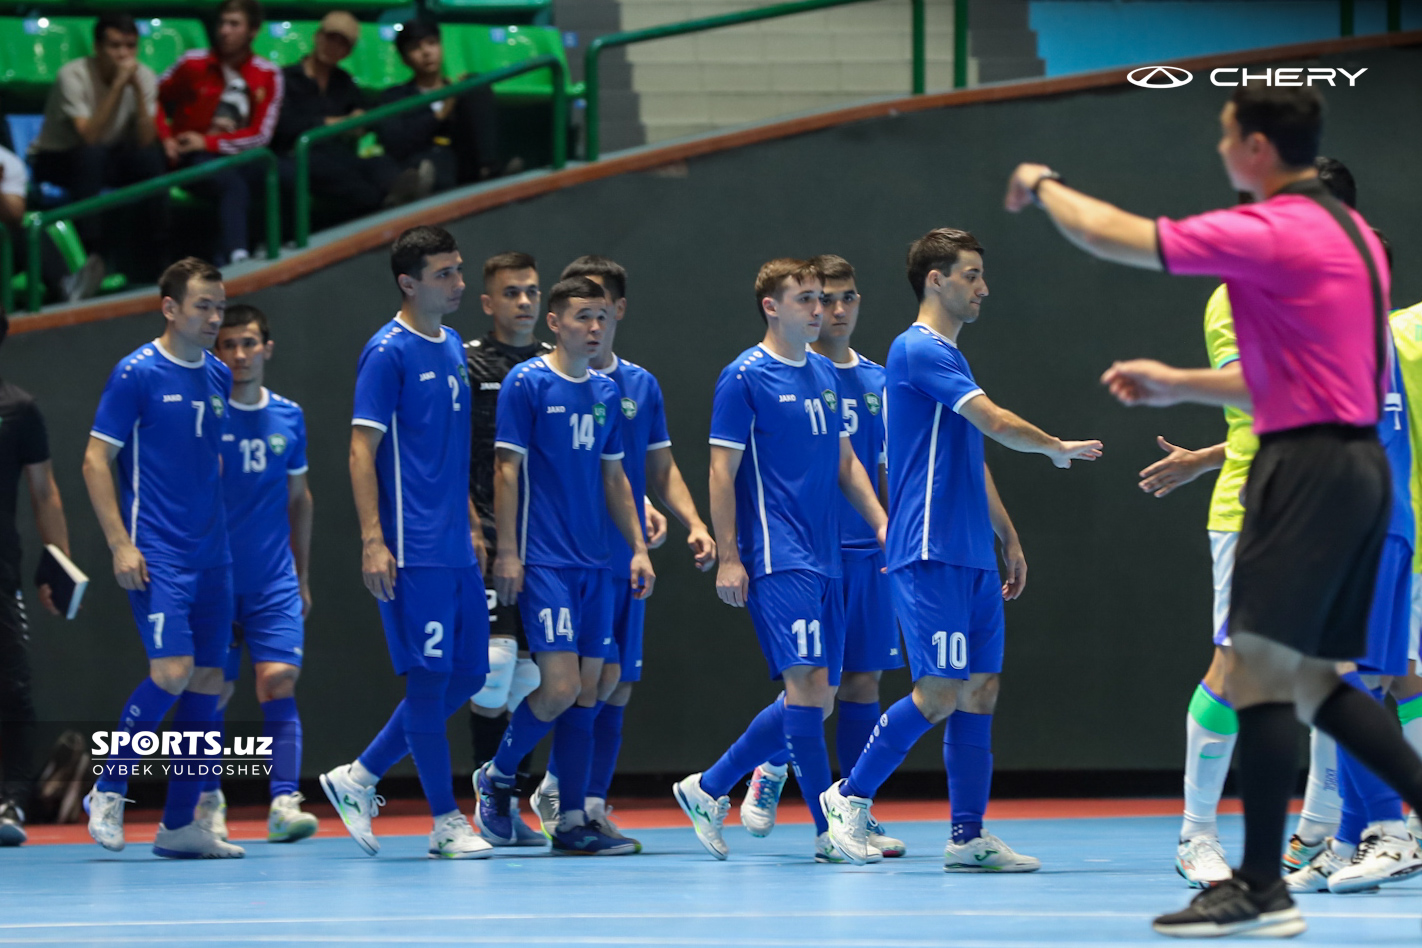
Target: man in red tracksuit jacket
(218,102)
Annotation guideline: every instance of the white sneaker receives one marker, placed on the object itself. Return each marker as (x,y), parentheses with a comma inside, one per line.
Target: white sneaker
(827,851)
(1381,860)
(106,818)
(544,801)
(707,813)
(849,824)
(878,839)
(454,838)
(356,805)
(1314,876)
(193,842)
(286,822)
(1201,861)
(211,813)
(763,799)
(987,853)
(1414,825)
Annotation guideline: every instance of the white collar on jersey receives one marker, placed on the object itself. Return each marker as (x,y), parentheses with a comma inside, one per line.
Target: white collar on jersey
(853,361)
(176,361)
(261,402)
(938,334)
(409,328)
(780,358)
(554,369)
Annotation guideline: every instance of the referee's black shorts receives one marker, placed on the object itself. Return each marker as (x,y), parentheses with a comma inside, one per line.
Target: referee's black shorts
(1316,512)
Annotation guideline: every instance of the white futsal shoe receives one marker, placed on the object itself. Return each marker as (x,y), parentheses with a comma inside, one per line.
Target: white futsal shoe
(287,822)
(763,798)
(707,813)
(1314,876)
(1382,859)
(356,805)
(1414,825)
(211,813)
(544,801)
(827,851)
(1201,862)
(987,853)
(454,838)
(849,824)
(106,818)
(193,842)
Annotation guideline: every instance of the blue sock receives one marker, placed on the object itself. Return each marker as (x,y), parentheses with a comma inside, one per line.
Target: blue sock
(425,734)
(764,738)
(967,756)
(607,742)
(523,735)
(213,781)
(805,736)
(461,688)
(572,745)
(780,758)
(144,710)
(1352,817)
(390,746)
(282,723)
(195,713)
(851,733)
(1365,798)
(889,743)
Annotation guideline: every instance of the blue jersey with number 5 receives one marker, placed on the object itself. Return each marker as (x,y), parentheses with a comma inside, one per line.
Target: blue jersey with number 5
(862,383)
(786,416)
(644,428)
(564,428)
(166,416)
(263,445)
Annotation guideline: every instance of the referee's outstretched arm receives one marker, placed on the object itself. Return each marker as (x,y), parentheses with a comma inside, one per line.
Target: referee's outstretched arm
(1102,230)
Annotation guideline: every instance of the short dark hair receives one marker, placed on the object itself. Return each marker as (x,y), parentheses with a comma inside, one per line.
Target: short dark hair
(122,23)
(408,253)
(412,33)
(1291,119)
(250,9)
(243,314)
(1337,179)
(937,250)
(614,274)
(509,260)
(833,267)
(174,282)
(578,287)
(774,273)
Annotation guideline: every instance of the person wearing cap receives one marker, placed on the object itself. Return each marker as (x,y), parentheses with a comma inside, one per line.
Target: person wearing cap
(319,93)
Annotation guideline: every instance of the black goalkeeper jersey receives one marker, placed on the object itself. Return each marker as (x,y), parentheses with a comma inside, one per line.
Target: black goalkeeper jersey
(23,441)
(489,361)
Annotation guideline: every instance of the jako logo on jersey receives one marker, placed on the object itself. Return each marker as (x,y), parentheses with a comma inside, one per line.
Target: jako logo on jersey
(787,398)
(172,398)
(278,443)
(218,409)
(557,409)
(1159,77)
(426,376)
(600,413)
(629,408)
(871,402)
(490,386)
(830,399)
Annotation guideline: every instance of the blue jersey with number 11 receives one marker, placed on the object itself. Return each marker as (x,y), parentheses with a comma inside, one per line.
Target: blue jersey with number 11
(264,444)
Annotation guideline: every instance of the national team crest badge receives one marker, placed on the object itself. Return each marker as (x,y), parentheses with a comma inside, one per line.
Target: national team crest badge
(600,413)
(278,443)
(218,409)
(830,400)
(464,374)
(872,402)
(629,408)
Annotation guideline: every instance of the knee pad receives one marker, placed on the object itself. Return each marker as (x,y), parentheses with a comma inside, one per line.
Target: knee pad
(503,653)
(526,679)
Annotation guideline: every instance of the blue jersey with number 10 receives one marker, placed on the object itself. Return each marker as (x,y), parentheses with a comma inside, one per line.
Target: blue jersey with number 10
(644,428)
(786,417)
(264,444)
(564,428)
(862,384)
(167,416)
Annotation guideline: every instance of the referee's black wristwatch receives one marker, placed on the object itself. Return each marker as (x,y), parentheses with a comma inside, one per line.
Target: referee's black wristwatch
(1048,175)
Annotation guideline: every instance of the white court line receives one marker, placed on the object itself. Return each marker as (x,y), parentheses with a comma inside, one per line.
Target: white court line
(522,939)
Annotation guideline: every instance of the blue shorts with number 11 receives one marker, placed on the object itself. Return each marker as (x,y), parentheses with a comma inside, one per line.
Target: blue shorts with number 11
(952,619)
(799,620)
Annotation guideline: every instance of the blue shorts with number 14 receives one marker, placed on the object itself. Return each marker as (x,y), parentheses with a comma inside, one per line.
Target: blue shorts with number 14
(951,617)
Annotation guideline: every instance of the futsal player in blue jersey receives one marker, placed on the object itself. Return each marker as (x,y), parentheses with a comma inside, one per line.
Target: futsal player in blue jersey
(871,636)
(161,417)
(558,478)
(269,511)
(647,459)
(410,474)
(947,590)
(780,447)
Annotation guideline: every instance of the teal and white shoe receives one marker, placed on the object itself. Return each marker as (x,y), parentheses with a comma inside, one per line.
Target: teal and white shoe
(211,813)
(987,853)
(1323,866)
(1300,854)
(287,822)
(106,818)
(762,799)
(707,813)
(878,839)
(1201,862)
(355,804)
(454,838)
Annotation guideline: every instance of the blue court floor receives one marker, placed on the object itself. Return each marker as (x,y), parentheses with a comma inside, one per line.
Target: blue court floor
(1102,882)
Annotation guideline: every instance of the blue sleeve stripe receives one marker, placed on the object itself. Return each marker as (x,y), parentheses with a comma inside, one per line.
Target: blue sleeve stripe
(513,447)
(369,423)
(723,443)
(94,432)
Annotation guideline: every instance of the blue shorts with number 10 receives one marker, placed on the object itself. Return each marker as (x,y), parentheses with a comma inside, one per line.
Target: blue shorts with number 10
(438,620)
(952,619)
(799,620)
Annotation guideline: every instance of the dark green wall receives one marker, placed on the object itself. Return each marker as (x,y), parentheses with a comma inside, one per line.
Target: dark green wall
(1113,630)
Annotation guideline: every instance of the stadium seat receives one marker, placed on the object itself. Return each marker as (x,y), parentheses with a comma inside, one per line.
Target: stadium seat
(161,41)
(492,11)
(376,63)
(475,49)
(33,49)
(285,41)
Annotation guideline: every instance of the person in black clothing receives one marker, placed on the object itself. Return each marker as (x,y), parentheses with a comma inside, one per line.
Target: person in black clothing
(459,134)
(24,449)
(319,92)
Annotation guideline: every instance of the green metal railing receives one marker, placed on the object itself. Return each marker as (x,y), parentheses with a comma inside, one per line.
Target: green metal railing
(302,153)
(592,75)
(133,193)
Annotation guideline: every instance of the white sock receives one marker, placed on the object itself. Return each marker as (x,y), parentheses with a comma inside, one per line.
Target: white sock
(777,770)
(596,807)
(1344,851)
(550,782)
(1207,755)
(1322,806)
(362,776)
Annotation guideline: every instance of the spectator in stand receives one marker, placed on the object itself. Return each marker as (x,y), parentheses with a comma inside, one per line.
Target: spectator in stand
(14,183)
(219,102)
(319,92)
(459,134)
(99,132)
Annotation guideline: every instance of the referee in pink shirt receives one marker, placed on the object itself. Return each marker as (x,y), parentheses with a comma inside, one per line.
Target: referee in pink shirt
(1308,282)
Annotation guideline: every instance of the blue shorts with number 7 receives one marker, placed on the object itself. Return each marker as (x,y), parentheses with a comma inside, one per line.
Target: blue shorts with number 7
(185,612)
(951,617)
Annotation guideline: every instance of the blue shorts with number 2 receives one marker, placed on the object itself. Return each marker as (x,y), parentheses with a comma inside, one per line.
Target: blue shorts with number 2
(438,620)
(951,617)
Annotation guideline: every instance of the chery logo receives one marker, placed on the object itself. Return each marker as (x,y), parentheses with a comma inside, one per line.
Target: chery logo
(1173,77)
(1159,77)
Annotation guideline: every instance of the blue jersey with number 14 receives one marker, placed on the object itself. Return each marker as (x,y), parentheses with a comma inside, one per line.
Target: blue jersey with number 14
(263,445)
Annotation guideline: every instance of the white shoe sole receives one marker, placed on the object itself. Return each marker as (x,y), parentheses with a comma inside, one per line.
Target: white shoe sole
(1196,883)
(1285,924)
(1366,884)
(475,854)
(960,867)
(686,808)
(331,795)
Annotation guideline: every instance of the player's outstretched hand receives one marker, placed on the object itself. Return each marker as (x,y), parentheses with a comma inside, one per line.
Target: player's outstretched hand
(656,527)
(508,578)
(377,570)
(703,548)
(1019,186)
(643,579)
(1141,382)
(1014,573)
(732,583)
(130,568)
(1068,451)
(1179,467)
